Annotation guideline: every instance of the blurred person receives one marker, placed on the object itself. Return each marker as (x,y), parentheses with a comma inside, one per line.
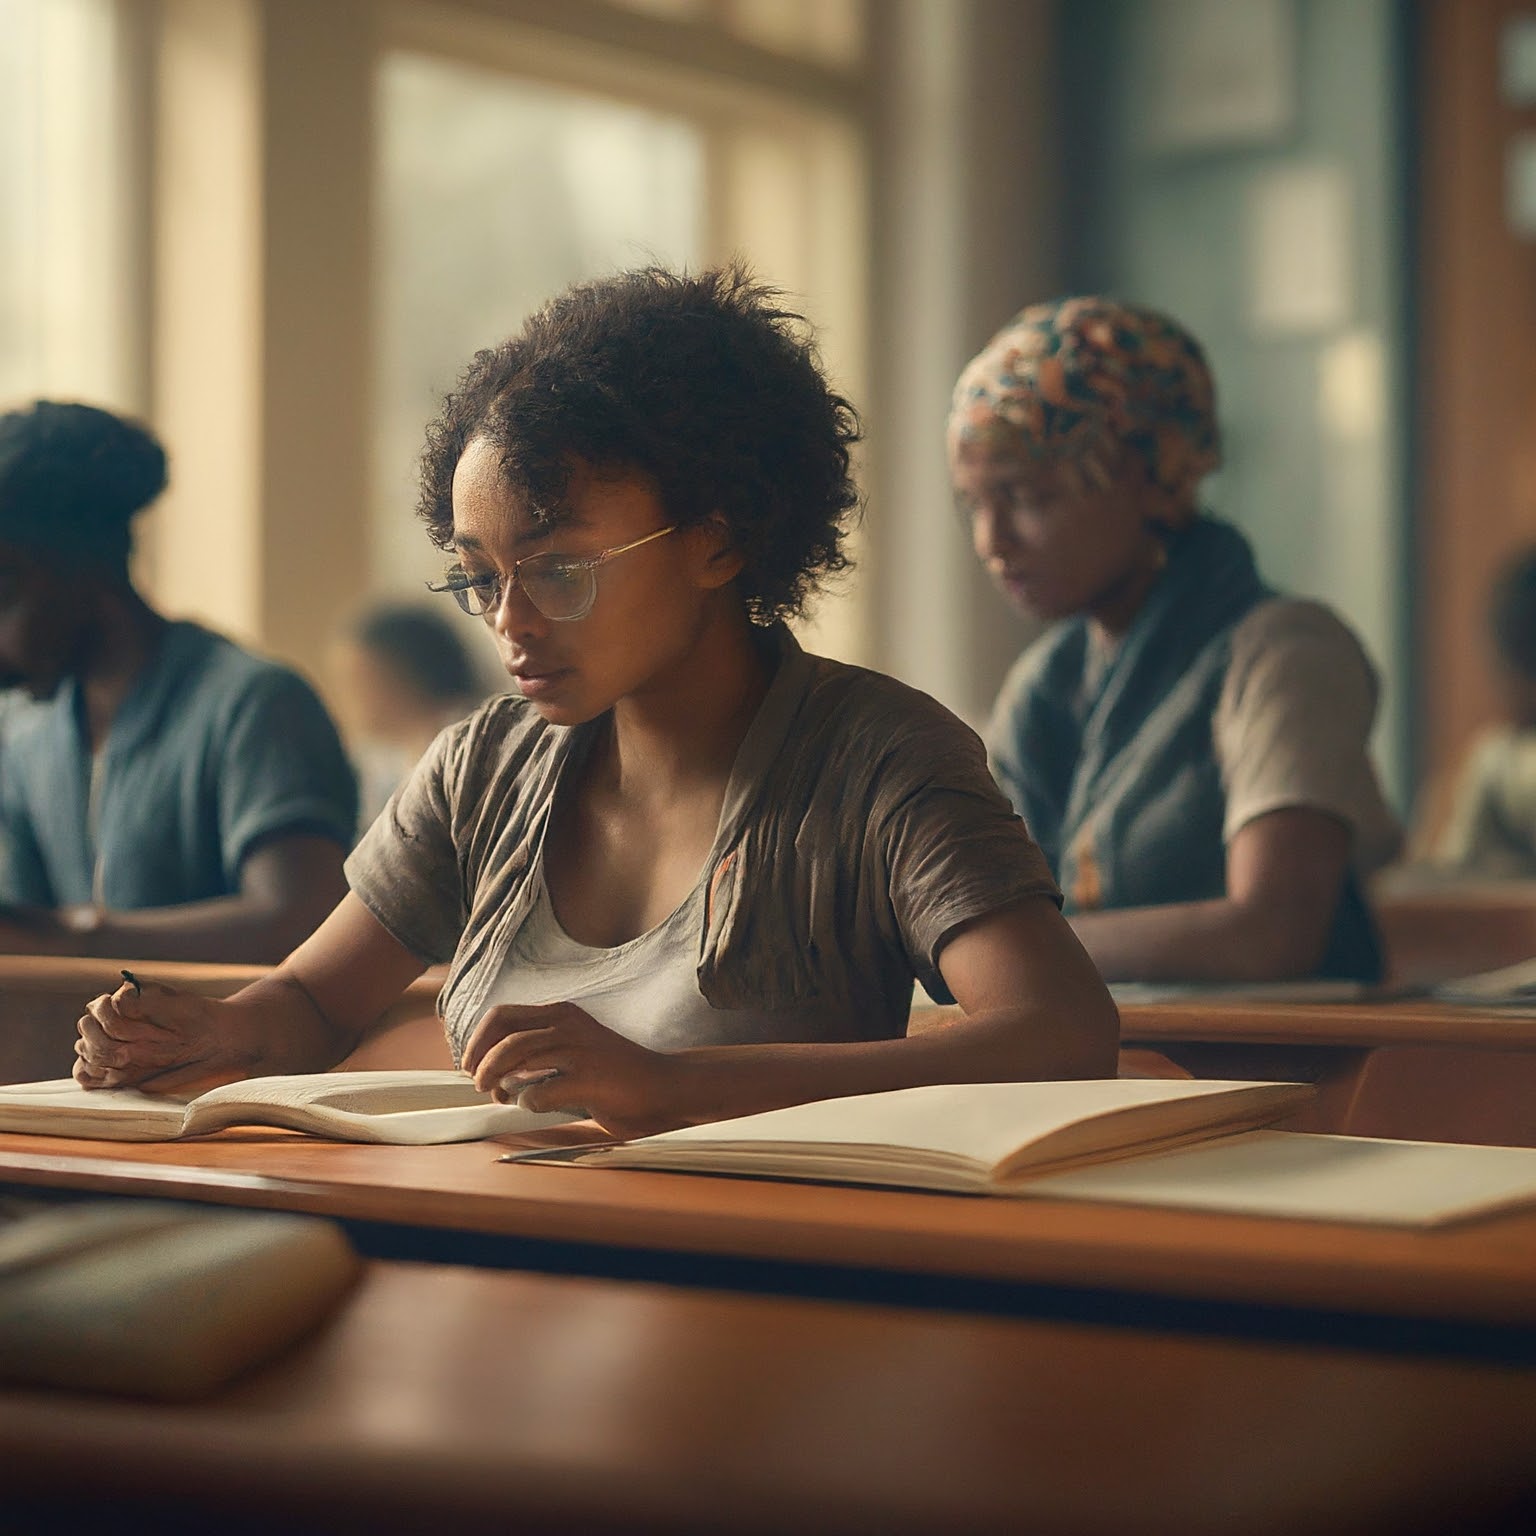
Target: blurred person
(163,793)
(1491,829)
(401,673)
(1188,748)
(687,871)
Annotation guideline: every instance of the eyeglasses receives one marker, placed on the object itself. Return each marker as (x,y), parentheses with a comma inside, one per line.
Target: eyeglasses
(561,587)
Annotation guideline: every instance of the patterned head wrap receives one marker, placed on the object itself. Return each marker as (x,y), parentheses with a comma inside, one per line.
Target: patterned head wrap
(1071,382)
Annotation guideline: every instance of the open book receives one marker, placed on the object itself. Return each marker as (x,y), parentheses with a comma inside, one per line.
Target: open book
(972,1138)
(414,1108)
(1142,1142)
(1510,986)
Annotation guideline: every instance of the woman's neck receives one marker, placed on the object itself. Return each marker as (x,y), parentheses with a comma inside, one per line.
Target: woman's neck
(676,737)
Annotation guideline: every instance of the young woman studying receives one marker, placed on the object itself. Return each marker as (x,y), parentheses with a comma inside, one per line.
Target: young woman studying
(1189,750)
(687,871)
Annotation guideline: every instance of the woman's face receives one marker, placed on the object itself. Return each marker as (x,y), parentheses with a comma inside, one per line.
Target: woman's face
(42,618)
(653,602)
(1054,548)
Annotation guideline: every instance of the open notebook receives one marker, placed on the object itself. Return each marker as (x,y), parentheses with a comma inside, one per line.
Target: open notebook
(415,1108)
(1194,1145)
(971,1138)
(1510,986)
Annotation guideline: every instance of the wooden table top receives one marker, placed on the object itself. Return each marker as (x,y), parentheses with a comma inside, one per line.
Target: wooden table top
(442,1395)
(1481,1272)
(1368,1023)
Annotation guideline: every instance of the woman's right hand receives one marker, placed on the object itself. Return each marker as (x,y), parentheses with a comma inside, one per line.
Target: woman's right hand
(156,1037)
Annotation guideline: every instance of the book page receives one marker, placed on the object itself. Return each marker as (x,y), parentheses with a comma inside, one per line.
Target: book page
(1509,985)
(1311,1177)
(61,1107)
(420,1107)
(959,1127)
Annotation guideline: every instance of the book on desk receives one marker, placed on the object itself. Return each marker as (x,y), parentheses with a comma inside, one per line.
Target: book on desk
(415,1107)
(1183,1144)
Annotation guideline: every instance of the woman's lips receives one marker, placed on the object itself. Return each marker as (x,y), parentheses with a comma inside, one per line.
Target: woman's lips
(533,685)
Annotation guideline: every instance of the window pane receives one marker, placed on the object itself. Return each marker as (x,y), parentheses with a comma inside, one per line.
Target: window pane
(494,194)
(64,266)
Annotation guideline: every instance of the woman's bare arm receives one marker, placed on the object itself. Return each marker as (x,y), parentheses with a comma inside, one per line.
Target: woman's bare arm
(304,1017)
(1285,874)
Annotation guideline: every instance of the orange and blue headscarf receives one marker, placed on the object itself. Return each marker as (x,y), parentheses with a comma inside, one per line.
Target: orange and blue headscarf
(1070,384)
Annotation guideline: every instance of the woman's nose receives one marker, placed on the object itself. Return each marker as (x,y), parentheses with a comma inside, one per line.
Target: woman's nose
(992,534)
(514,617)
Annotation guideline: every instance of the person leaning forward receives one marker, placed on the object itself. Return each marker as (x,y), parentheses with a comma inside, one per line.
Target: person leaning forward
(164,794)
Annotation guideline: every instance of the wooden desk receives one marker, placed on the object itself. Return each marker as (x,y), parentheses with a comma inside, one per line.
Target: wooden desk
(1032,1256)
(1409,1068)
(448,1399)
(1435,930)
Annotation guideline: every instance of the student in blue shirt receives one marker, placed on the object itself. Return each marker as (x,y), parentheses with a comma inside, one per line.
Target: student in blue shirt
(163,793)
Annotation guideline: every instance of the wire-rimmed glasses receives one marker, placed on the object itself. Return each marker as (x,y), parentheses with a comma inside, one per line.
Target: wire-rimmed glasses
(562,587)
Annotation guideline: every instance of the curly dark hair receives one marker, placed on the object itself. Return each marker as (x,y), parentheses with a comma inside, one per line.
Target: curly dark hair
(705,384)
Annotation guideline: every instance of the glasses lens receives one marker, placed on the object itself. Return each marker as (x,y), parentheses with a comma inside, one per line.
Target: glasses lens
(559,588)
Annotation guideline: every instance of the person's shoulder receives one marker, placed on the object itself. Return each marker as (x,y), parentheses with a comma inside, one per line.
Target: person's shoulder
(856,701)
(1281,624)
(496,738)
(225,669)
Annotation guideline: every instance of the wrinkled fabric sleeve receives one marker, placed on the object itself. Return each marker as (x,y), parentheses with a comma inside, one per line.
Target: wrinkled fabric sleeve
(1293,725)
(282,771)
(406,868)
(954,851)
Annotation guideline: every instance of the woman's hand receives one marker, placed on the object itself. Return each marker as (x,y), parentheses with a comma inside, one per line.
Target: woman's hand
(156,1037)
(555,1056)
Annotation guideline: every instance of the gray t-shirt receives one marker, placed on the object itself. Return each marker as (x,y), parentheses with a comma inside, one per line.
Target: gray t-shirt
(213,752)
(860,829)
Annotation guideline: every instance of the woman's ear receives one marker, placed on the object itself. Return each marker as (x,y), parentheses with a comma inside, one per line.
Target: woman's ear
(722,561)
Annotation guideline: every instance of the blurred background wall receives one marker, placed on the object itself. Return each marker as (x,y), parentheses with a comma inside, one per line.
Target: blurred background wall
(278,228)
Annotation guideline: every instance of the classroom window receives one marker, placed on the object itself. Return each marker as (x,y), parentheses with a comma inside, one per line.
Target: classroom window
(495,193)
(511,164)
(68,298)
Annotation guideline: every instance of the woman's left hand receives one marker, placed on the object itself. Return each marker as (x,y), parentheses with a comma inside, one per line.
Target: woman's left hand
(625,1087)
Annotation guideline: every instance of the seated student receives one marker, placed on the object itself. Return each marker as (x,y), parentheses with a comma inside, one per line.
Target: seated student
(1491,830)
(402,672)
(1189,750)
(691,871)
(163,793)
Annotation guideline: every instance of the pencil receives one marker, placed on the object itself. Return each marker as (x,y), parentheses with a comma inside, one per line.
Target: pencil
(133,981)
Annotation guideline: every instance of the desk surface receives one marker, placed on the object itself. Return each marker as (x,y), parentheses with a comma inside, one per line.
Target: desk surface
(1404,1021)
(1478,1273)
(441,1395)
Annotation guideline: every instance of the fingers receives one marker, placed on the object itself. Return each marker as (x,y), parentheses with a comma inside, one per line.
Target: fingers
(531,1051)
(550,1094)
(108,1015)
(497,1024)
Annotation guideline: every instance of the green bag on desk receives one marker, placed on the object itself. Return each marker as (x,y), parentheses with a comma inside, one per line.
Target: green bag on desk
(158,1300)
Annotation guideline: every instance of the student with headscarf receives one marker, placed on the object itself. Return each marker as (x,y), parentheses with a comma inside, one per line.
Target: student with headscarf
(164,794)
(1188,748)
